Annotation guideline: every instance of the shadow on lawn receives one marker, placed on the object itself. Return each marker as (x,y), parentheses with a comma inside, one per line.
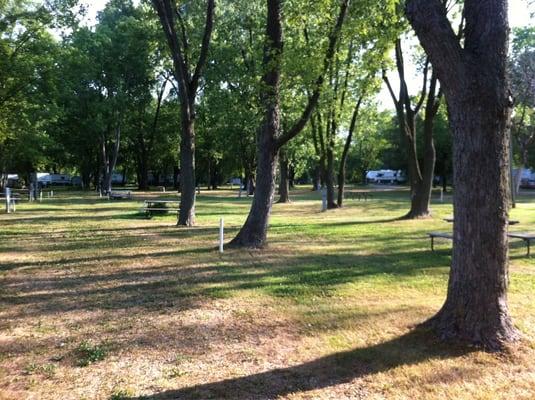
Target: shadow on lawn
(162,286)
(417,346)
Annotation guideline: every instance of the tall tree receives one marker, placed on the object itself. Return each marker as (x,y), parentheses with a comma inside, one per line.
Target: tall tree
(188,78)
(475,84)
(420,173)
(270,138)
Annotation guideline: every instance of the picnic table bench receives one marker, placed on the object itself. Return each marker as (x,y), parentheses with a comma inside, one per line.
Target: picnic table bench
(149,206)
(120,195)
(358,195)
(441,235)
(527,237)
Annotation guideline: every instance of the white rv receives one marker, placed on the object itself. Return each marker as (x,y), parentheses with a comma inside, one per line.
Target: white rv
(386,176)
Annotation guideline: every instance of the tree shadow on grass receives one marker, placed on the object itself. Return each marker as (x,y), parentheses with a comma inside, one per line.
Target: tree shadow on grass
(412,348)
(170,285)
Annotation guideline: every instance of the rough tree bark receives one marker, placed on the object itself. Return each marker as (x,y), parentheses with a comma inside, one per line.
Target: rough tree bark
(188,84)
(253,234)
(474,81)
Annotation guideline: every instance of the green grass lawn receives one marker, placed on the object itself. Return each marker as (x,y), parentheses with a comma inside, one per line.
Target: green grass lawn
(97,302)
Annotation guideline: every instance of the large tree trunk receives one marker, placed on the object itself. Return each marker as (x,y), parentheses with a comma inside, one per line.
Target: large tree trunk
(478,97)
(284,184)
(476,305)
(253,234)
(186,215)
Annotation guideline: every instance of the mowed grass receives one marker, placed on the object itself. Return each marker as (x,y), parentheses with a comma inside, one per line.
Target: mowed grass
(97,302)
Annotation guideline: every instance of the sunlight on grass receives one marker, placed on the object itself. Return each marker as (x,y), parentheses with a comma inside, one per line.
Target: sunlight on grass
(334,298)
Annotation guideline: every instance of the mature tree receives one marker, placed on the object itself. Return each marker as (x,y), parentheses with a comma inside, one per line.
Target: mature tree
(475,84)
(188,77)
(420,173)
(271,138)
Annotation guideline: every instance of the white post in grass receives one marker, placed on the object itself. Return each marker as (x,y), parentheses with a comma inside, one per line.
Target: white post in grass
(51,193)
(323,199)
(221,234)
(40,196)
(441,195)
(8,200)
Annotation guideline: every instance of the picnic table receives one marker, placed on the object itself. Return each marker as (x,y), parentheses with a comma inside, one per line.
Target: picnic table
(120,195)
(442,235)
(149,206)
(358,195)
(511,221)
(527,237)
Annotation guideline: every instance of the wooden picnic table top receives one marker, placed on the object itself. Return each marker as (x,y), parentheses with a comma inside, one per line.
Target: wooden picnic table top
(162,201)
(445,235)
(511,221)
(522,235)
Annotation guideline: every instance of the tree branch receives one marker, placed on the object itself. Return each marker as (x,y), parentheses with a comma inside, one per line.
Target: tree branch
(430,22)
(185,44)
(424,88)
(313,100)
(390,89)
(166,16)
(194,83)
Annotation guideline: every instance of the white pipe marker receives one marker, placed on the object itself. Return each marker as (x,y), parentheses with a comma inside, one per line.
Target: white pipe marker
(221,234)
